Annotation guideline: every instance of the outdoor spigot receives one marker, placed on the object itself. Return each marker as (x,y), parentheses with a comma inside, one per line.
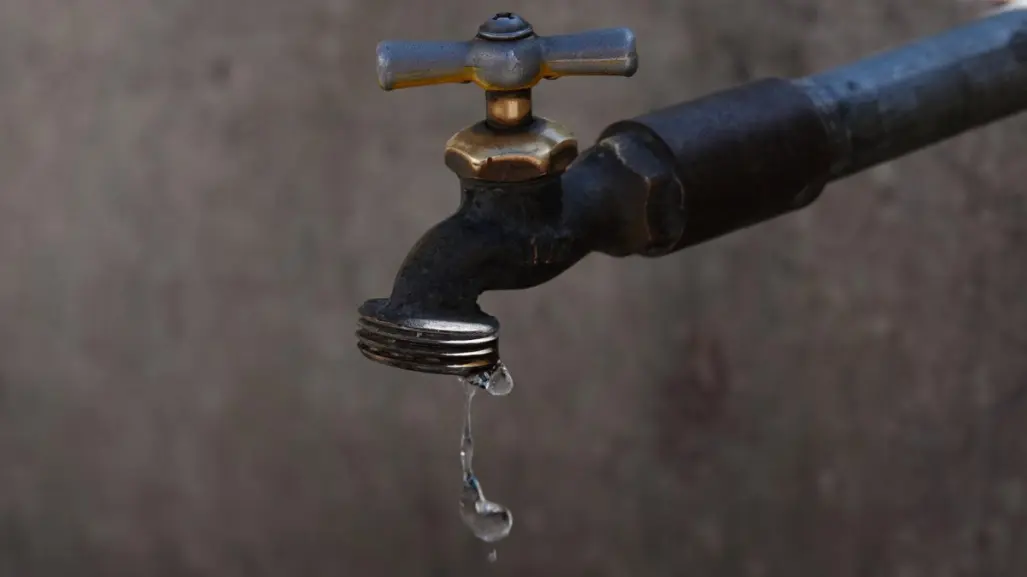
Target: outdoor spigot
(655,184)
(509,231)
(507,59)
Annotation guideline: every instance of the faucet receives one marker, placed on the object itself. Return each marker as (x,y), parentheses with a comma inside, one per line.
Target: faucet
(532,206)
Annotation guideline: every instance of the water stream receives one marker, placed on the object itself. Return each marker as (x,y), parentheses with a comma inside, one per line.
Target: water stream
(489,520)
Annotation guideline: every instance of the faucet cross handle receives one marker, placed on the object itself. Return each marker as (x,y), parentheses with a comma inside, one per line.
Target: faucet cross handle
(506,56)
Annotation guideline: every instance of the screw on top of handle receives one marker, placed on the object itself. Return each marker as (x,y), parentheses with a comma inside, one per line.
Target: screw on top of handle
(505,26)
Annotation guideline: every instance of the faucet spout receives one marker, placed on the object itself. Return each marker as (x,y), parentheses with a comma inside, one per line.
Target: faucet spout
(619,198)
(504,236)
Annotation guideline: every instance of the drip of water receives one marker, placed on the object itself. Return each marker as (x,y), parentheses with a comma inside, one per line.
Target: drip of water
(496,382)
(489,521)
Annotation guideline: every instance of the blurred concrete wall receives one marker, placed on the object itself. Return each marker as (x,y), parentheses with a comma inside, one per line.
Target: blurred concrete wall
(195,195)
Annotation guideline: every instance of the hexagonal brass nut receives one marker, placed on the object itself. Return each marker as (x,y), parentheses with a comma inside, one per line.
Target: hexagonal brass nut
(541,148)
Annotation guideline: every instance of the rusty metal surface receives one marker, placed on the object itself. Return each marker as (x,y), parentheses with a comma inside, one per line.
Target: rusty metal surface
(185,230)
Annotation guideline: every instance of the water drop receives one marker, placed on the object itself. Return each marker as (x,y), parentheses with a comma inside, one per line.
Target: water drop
(500,381)
(489,521)
(492,556)
(496,382)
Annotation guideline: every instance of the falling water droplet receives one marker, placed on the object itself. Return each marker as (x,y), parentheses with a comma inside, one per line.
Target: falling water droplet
(489,521)
(492,556)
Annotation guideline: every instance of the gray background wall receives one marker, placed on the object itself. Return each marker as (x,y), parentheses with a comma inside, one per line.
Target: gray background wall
(195,196)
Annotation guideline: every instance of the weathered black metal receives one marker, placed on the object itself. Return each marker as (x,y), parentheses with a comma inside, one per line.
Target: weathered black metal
(686,174)
(504,236)
(742,156)
(883,107)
